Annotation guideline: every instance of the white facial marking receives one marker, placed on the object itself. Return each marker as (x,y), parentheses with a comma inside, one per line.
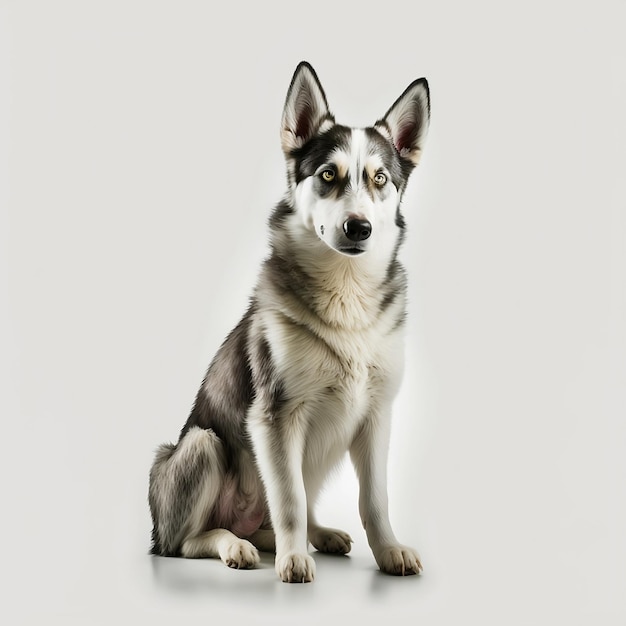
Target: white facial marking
(358,158)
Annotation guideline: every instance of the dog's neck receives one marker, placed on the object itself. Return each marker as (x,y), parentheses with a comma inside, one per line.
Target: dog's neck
(341,291)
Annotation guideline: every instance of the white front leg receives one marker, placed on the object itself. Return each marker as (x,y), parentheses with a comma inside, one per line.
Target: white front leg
(278,446)
(369,452)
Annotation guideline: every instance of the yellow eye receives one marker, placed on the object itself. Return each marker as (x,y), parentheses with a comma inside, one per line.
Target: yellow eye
(328,176)
(380,179)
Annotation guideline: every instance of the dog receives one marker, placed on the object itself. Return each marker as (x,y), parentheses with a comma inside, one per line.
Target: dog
(312,368)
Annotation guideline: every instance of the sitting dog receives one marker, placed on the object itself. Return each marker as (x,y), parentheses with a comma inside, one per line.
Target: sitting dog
(312,368)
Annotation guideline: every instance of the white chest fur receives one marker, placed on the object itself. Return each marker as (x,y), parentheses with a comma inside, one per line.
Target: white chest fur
(333,378)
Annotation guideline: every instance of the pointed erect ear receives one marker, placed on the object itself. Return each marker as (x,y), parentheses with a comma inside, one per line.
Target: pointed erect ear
(305,110)
(406,122)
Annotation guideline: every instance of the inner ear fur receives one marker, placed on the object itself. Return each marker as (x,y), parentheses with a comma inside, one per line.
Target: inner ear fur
(406,122)
(306,109)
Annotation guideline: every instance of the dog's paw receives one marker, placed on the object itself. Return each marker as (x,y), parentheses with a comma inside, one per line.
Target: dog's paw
(331,540)
(398,561)
(295,567)
(240,554)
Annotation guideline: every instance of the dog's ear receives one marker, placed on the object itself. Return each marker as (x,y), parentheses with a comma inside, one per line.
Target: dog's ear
(306,109)
(406,122)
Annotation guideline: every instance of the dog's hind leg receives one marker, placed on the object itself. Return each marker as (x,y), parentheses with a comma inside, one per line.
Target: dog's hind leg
(327,540)
(221,543)
(264,539)
(185,482)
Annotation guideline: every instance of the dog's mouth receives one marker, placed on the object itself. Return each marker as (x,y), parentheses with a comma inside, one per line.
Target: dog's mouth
(351,250)
(343,245)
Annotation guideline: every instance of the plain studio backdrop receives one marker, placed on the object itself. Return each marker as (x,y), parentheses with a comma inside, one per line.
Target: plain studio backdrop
(139,161)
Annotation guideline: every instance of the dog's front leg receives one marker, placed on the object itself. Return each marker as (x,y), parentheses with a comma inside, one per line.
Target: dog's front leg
(278,447)
(369,453)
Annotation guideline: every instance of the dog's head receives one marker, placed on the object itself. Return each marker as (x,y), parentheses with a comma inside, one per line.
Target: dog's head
(346,183)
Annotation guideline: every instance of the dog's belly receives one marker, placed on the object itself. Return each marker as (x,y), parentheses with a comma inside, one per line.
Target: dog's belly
(240,512)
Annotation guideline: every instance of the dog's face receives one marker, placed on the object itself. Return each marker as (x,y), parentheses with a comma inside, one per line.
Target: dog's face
(347,183)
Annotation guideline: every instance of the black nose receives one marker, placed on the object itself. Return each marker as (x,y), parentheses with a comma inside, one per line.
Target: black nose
(356,229)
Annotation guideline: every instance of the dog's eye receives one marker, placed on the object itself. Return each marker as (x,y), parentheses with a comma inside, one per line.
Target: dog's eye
(328,176)
(380,179)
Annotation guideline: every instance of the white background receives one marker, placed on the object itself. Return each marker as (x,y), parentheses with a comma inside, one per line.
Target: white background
(139,161)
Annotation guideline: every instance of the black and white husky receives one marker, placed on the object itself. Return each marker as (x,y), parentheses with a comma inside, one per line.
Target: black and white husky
(311,370)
